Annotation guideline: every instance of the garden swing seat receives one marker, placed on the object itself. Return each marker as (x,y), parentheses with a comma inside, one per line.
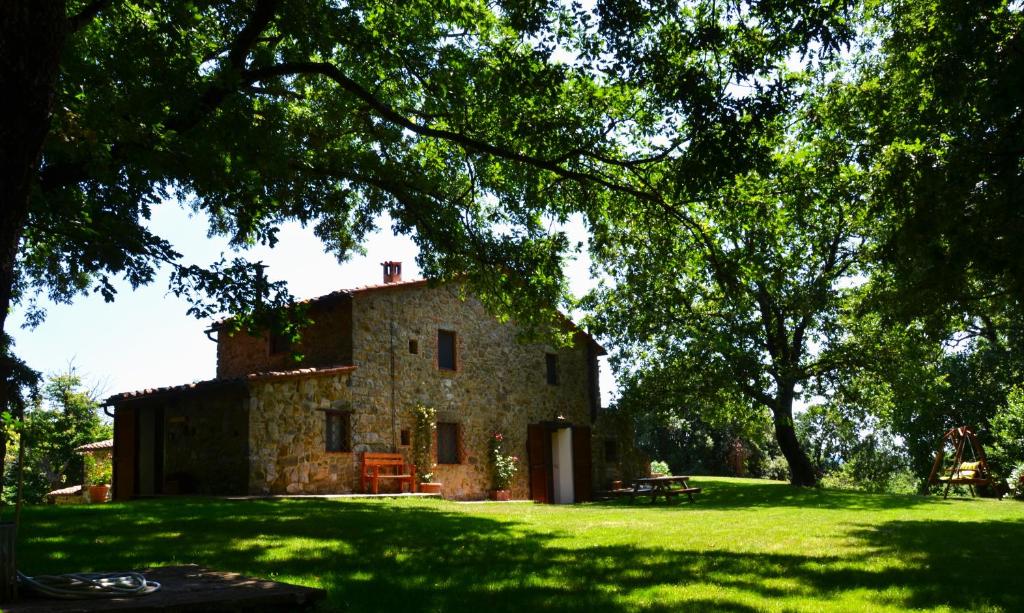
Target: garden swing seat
(961,471)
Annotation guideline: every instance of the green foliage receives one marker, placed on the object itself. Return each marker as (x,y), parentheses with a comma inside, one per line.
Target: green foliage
(503,465)
(66,416)
(658,467)
(876,464)
(1007,433)
(727,294)
(692,431)
(777,468)
(425,424)
(98,471)
(828,434)
(940,89)
(449,120)
(917,387)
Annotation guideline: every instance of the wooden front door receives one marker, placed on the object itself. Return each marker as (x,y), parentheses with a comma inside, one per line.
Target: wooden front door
(581,463)
(125,451)
(538,450)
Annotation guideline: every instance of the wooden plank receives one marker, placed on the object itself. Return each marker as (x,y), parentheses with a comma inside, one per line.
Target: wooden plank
(538,451)
(188,588)
(581,463)
(125,452)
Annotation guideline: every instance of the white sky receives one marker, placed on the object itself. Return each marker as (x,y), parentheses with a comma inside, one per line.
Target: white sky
(144,339)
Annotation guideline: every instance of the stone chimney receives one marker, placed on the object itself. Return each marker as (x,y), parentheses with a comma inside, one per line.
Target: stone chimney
(392,272)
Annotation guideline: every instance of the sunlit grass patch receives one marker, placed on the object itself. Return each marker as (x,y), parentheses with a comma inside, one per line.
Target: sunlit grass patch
(744,545)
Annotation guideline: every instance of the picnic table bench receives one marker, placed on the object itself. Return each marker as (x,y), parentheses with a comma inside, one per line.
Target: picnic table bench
(395,467)
(663,486)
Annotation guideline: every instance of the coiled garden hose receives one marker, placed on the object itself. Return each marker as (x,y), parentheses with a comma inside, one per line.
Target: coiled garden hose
(75,586)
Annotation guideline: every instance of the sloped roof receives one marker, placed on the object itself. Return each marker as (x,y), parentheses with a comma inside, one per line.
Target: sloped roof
(98,445)
(232,382)
(66,491)
(350,292)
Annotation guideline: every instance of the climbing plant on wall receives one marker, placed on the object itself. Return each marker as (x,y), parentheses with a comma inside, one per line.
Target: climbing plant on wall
(422,441)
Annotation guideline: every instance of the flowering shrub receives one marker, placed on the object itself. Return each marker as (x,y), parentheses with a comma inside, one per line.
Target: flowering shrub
(1016,481)
(504,465)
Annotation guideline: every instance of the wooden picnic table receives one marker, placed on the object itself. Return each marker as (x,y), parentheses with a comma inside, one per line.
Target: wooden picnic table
(663,486)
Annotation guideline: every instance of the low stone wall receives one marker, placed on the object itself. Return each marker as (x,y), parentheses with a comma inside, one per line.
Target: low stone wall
(287,425)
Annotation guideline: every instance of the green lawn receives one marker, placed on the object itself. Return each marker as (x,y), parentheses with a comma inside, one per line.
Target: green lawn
(745,545)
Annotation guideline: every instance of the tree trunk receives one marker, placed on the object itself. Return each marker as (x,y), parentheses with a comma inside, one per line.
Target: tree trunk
(32,34)
(800,469)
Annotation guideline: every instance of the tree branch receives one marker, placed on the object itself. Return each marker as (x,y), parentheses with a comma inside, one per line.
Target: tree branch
(86,15)
(389,114)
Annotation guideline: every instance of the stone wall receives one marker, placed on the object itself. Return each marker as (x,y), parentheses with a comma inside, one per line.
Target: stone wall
(326,342)
(499,384)
(287,424)
(628,462)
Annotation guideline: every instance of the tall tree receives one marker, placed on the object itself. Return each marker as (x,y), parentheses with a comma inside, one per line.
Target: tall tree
(740,293)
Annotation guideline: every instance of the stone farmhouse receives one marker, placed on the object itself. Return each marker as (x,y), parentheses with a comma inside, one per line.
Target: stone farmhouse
(264,426)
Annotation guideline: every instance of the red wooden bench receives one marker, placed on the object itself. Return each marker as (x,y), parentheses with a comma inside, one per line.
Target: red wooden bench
(393,463)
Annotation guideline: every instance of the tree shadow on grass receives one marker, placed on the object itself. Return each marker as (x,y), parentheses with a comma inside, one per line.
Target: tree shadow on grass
(390,556)
(964,564)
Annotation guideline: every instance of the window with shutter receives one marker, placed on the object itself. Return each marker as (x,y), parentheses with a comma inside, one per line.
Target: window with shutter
(337,431)
(447,443)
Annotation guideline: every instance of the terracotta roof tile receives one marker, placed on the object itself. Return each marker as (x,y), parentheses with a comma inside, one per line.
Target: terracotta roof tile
(66,491)
(234,381)
(107,444)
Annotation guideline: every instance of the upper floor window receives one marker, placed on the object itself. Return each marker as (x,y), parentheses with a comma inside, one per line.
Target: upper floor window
(446,350)
(280,343)
(551,360)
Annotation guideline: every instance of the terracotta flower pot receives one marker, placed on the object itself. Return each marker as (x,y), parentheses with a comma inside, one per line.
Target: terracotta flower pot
(98,493)
(501,495)
(430,488)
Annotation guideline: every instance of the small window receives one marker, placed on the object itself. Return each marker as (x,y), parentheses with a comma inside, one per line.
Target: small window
(405,438)
(611,450)
(414,346)
(552,364)
(446,350)
(280,343)
(447,443)
(337,431)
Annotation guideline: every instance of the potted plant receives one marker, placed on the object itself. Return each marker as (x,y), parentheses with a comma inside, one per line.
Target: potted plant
(98,476)
(504,468)
(659,468)
(428,485)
